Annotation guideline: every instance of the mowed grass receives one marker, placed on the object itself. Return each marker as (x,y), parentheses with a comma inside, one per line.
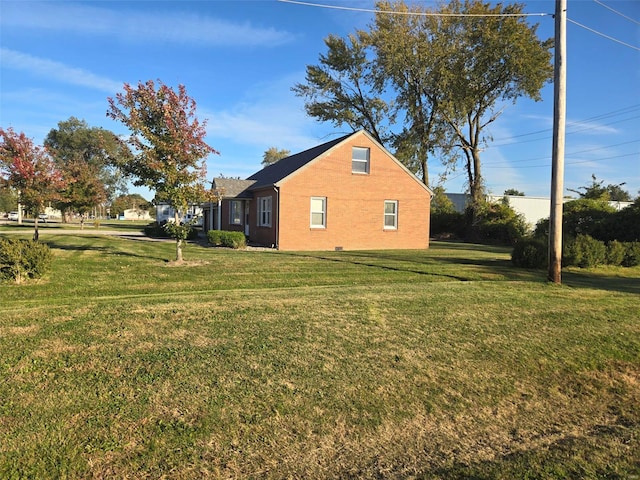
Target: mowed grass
(444,363)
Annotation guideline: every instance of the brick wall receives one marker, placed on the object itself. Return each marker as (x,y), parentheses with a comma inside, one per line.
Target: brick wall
(263,235)
(355,204)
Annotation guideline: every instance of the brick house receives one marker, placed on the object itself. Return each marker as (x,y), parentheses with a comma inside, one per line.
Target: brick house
(349,193)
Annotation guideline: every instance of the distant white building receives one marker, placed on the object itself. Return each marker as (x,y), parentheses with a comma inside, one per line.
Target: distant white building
(533,209)
(134,214)
(165,213)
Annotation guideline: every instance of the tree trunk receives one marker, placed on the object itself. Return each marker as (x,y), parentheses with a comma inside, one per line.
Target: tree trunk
(423,166)
(36,235)
(178,250)
(476,187)
(176,219)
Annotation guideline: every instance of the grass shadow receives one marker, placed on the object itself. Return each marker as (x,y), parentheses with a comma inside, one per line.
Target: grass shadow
(107,250)
(601,282)
(378,265)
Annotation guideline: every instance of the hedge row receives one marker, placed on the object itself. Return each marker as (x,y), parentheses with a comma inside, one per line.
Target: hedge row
(23,259)
(584,251)
(222,238)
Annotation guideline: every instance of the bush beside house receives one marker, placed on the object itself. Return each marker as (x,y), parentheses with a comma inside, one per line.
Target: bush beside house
(222,238)
(494,223)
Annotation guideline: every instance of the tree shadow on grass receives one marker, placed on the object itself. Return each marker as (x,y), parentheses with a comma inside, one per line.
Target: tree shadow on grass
(601,282)
(106,249)
(439,266)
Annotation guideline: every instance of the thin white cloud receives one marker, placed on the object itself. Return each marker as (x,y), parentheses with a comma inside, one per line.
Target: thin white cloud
(55,70)
(271,116)
(134,25)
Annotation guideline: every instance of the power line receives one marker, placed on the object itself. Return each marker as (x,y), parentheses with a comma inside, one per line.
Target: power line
(603,35)
(567,163)
(592,127)
(547,157)
(617,12)
(423,14)
(613,113)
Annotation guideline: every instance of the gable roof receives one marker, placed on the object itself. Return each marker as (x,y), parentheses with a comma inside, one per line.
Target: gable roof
(272,174)
(232,187)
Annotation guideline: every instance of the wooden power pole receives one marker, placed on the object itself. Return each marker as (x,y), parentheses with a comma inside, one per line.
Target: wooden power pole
(559,120)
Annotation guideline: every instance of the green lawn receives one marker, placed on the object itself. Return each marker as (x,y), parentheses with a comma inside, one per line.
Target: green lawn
(444,363)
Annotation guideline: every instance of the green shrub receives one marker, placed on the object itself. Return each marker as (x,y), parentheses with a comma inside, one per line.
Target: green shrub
(222,238)
(530,253)
(23,259)
(447,224)
(632,254)
(497,223)
(615,252)
(585,251)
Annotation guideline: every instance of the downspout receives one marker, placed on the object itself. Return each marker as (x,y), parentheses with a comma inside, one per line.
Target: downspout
(277,220)
(220,213)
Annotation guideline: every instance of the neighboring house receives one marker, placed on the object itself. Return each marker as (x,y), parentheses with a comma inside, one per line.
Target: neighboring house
(533,209)
(349,193)
(165,213)
(134,214)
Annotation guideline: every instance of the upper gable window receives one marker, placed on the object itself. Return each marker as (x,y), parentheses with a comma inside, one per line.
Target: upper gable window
(360,160)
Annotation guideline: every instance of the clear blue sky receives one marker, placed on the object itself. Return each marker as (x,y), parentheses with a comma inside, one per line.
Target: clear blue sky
(239,59)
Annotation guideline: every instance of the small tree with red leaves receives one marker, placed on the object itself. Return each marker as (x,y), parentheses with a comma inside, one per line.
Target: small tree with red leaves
(168,144)
(30,171)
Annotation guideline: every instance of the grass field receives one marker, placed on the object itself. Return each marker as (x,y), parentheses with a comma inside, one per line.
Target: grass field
(444,363)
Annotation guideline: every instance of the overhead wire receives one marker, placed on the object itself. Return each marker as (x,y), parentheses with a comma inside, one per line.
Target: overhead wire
(617,12)
(548,157)
(603,35)
(422,14)
(628,109)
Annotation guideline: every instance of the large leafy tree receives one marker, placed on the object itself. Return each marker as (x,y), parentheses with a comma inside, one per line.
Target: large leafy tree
(404,47)
(88,157)
(449,74)
(30,171)
(485,59)
(133,201)
(169,146)
(274,154)
(344,89)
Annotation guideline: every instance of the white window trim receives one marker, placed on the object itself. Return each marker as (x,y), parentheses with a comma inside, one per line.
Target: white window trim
(323,212)
(366,162)
(264,209)
(393,215)
(238,203)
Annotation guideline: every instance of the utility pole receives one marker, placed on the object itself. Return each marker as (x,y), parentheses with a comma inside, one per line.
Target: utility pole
(557,165)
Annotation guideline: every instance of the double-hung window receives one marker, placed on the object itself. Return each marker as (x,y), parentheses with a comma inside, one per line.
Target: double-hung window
(360,160)
(235,212)
(318,212)
(264,211)
(390,214)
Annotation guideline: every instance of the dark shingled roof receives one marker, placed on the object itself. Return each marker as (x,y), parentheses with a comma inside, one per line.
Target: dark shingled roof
(233,187)
(272,174)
